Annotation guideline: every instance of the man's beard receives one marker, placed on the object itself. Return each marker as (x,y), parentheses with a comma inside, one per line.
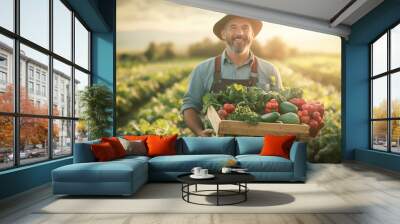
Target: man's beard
(238,43)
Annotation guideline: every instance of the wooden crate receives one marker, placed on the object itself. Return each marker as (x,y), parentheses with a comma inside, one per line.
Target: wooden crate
(240,128)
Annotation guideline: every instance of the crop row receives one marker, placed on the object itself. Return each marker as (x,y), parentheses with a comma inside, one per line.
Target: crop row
(138,84)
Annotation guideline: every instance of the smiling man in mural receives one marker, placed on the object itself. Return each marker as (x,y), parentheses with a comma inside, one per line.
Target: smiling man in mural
(236,64)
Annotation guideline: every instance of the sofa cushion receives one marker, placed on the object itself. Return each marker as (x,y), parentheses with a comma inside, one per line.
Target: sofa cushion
(275,145)
(207,145)
(161,145)
(185,163)
(249,145)
(116,145)
(135,147)
(112,171)
(257,163)
(103,152)
(83,152)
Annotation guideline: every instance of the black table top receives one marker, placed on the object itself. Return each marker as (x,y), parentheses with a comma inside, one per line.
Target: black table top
(220,178)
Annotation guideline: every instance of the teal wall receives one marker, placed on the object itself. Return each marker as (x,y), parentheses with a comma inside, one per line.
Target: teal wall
(103,64)
(355,74)
(24,178)
(99,16)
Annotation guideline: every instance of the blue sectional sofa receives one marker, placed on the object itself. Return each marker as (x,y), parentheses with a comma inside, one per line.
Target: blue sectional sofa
(125,176)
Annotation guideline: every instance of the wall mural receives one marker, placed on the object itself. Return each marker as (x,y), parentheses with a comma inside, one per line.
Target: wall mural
(185,70)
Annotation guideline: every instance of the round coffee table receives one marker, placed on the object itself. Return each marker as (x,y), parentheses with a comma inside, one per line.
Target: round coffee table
(238,179)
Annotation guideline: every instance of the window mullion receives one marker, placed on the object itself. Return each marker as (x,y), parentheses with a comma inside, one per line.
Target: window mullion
(16,85)
(389,105)
(73,82)
(50,81)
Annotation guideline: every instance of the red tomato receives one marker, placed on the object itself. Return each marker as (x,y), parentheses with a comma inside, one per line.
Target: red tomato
(222,114)
(318,119)
(229,108)
(305,119)
(313,124)
(316,114)
(305,106)
(305,113)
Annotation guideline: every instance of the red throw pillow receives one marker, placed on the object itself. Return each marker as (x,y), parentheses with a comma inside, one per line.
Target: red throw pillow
(116,145)
(103,152)
(275,145)
(161,145)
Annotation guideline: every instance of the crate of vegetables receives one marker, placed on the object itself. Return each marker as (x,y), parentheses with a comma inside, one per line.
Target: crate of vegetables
(250,111)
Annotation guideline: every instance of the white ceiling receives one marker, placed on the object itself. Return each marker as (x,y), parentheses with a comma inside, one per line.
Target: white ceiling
(321,9)
(315,15)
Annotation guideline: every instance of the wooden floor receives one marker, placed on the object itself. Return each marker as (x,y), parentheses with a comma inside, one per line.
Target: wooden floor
(377,188)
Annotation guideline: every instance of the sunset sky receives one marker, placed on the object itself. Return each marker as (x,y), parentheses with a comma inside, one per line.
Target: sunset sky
(142,21)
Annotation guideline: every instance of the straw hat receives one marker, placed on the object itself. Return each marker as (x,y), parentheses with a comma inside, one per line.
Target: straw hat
(255,24)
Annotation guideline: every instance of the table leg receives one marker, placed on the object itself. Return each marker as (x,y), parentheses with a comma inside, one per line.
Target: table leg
(217,194)
(196,187)
(188,189)
(245,193)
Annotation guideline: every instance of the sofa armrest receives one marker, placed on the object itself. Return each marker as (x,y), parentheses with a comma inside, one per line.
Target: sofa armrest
(298,155)
(83,152)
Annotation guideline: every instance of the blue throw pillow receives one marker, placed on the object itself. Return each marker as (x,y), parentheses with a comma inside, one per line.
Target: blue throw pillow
(83,153)
(249,145)
(208,145)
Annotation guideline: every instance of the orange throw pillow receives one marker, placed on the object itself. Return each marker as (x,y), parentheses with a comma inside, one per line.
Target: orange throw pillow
(103,152)
(275,145)
(116,145)
(161,145)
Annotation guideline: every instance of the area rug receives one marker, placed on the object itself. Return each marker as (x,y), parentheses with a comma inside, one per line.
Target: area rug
(166,198)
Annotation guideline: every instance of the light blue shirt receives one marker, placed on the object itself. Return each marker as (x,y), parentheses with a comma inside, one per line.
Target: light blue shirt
(202,77)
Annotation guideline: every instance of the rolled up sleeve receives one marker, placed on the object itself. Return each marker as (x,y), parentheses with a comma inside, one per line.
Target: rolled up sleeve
(196,90)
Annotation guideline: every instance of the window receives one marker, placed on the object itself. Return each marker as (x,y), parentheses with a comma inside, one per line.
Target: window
(38,89)
(37,74)
(7,14)
(30,72)
(81,81)
(44,91)
(81,45)
(30,87)
(385,95)
(3,78)
(62,137)
(62,74)
(49,79)
(6,73)
(43,77)
(34,21)
(62,31)
(7,142)
(3,61)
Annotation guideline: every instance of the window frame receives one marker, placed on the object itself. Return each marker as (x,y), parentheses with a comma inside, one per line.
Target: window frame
(388,74)
(16,114)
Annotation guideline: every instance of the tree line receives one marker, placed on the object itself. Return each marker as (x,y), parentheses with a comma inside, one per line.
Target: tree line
(273,49)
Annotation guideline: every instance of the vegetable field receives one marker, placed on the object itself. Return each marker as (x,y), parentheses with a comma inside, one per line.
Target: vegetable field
(149,96)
